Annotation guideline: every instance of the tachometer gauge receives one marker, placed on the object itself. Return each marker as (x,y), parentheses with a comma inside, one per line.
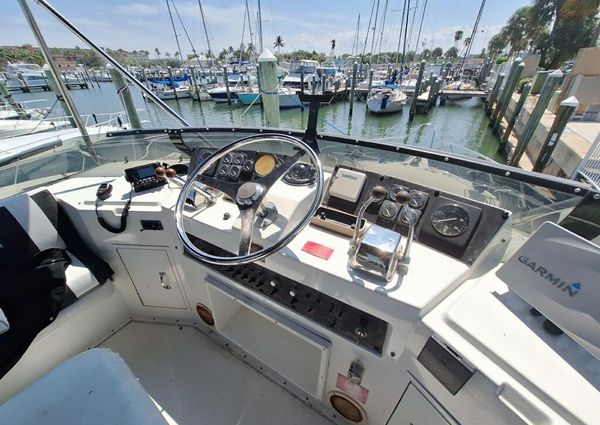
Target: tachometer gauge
(450,220)
(265,164)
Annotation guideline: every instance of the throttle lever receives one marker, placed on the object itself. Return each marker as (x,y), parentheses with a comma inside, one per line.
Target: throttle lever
(377,194)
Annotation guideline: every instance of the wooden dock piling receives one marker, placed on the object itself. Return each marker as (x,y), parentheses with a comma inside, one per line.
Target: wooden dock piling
(353,87)
(416,92)
(493,94)
(509,88)
(125,95)
(513,119)
(226,81)
(566,111)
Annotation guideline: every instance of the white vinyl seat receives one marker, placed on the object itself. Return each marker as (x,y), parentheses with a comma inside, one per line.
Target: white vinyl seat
(93,388)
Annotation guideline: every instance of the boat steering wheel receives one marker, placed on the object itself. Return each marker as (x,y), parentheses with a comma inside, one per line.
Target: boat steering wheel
(248,197)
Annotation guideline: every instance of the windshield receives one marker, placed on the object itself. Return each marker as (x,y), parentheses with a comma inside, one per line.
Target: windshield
(531,204)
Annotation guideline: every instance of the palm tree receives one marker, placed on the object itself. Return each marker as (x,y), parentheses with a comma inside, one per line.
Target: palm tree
(437,52)
(279,43)
(458,35)
(451,53)
(168,55)
(332,48)
(157,52)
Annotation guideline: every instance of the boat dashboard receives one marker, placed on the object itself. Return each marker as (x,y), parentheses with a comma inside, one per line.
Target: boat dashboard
(457,226)
(353,336)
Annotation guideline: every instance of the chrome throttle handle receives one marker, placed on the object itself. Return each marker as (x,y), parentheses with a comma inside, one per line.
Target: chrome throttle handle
(377,194)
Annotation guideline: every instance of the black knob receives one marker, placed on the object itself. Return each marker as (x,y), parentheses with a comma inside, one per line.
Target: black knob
(378,193)
(402,197)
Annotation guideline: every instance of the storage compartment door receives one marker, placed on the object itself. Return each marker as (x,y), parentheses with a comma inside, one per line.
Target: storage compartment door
(415,409)
(153,277)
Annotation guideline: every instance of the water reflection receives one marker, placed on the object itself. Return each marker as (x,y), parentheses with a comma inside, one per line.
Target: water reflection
(461,123)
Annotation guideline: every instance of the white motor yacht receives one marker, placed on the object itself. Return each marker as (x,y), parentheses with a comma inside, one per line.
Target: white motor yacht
(303,70)
(385,101)
(20,74)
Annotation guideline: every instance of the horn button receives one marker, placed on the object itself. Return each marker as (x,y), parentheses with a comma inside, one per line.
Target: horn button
(249,193)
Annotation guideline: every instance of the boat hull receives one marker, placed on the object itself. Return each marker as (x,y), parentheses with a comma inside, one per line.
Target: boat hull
(249,98)
(377,105)
(221,97)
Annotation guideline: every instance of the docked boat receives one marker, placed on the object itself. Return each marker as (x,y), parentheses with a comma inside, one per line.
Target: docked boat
(25,74)
(385,101)
(289,276)
(303,70)
(168,93)
(250,97)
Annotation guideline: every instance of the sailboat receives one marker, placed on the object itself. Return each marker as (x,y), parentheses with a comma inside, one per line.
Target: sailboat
(290,276)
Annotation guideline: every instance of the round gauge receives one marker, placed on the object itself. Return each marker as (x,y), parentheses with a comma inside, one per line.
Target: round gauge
(418,199)
(404,215)
(389,210)
(394,191)
(248,166)
(450,220)
(301,174)
(265,164)
(228,158)
(239,158)
(223,170)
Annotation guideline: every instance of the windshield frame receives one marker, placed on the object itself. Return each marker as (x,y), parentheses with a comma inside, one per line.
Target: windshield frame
(502,170)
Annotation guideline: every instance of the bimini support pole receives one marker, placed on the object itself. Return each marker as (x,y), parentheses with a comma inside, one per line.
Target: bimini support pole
(60,84)
(130,77)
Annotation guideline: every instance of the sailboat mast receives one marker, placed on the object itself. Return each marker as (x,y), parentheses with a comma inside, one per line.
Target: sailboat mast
(174,31)
(420,27)
(412,23)
(242,42)
(260,35)
(400,33)
(368,30)
(210,55)
(385,8)
(249,24)
(356,35)
(374,29)
(405,33)
(468,49)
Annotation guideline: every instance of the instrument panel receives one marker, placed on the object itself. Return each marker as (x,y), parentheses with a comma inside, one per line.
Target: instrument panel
(242,166)
(454,225)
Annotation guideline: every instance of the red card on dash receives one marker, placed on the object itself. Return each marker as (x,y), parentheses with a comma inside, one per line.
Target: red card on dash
(317,250)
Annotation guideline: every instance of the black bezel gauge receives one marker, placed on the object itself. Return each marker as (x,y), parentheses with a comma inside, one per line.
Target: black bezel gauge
(450,220)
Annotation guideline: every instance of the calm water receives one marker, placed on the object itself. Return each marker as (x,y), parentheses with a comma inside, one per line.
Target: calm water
(455,125)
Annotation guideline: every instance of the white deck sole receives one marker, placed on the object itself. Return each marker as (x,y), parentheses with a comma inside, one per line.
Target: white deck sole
(194,381)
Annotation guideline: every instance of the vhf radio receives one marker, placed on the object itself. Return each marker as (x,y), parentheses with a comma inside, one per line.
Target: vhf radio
(144,177)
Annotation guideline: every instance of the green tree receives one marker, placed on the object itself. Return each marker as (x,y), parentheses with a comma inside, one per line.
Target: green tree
(451,53)
(497,44)
(458,35)
(437,53)
(425,54)
(278,43)
(157,52)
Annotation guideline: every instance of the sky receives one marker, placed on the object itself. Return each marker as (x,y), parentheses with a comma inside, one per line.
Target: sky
(305,24)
